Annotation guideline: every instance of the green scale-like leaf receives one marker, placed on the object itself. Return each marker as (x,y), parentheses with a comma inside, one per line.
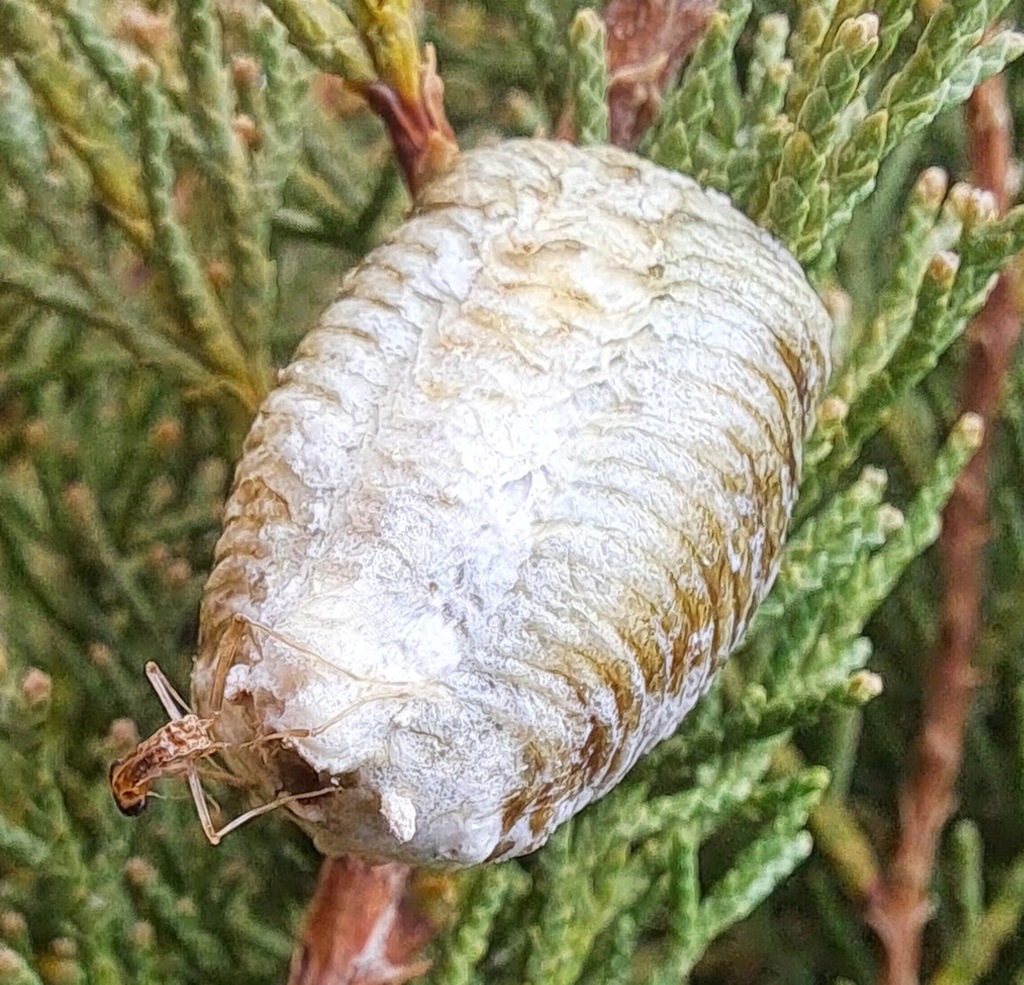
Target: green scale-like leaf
(178,205)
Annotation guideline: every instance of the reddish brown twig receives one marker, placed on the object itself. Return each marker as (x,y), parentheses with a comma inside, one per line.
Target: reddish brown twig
(647,42)
(421,137)
(898,908)
(363,927)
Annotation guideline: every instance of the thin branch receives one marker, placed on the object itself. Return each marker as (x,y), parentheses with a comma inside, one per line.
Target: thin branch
(421,137)
(898,908)
(647,42)
(361,928)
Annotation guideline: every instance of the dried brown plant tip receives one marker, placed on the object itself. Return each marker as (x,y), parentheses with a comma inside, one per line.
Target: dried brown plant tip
(421,138)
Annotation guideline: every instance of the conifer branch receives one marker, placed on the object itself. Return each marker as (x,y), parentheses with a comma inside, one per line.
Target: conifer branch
(326,36)
(975,953)
(589,79)
(132,354)
(898,908)
(70,101)
(247,224)
(200,311)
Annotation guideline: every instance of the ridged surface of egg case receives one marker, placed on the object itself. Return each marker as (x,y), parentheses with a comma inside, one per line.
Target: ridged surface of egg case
(511,505)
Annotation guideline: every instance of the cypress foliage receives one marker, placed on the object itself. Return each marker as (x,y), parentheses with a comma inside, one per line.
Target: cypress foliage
(181,186)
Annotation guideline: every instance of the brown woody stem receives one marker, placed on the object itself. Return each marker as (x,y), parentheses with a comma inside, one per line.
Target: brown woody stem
(423,141)
(898,907)
(647,42)
(362,927)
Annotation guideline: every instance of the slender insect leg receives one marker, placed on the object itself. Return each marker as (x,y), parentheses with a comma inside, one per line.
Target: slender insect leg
(393,689)
(173,703)
(213,774)
(202,808)
(288,733)
(226,647)
(386,690)
(308,733)
(313,655)
(354,707)
(215,836)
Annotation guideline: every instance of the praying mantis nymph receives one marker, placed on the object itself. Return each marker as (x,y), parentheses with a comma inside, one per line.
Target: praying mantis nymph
(174,750)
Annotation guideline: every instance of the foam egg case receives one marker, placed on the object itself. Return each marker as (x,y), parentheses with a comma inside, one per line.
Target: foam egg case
(511,505)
